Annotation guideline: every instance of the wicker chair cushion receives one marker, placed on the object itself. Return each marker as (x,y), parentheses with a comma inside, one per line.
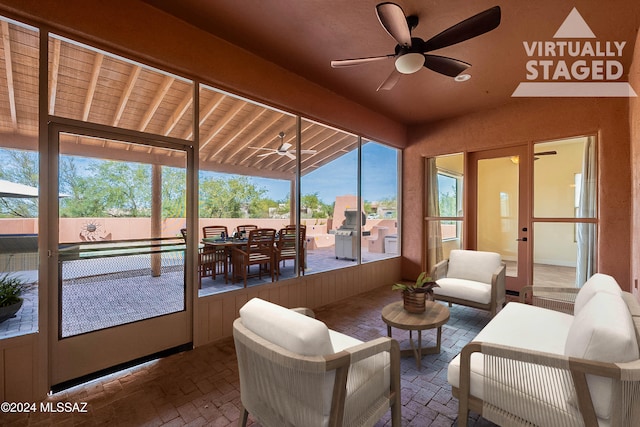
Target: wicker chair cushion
(597,283)
(477,266)
(290,330)
(464,289)
(603,330)
(368,380)
(517,325)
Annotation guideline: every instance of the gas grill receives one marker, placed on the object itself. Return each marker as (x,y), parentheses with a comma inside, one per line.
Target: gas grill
(347,235)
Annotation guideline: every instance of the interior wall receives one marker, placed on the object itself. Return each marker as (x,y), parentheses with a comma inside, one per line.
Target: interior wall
(634,125)
(525,121)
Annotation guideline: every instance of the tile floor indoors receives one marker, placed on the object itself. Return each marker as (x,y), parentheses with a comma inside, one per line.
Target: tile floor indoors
(201,388)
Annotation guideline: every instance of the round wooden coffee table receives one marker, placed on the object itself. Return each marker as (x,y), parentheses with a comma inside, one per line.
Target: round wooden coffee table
(435,315)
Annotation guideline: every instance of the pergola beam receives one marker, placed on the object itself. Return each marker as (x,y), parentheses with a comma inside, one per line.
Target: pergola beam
(91,90)
(124,98)
(153,107)
(228,117)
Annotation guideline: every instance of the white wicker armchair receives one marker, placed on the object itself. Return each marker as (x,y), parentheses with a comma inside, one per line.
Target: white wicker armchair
(294,371)
(472,278)
(533,366)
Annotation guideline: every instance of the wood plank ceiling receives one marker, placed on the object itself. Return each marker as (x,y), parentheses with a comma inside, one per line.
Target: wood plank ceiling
(96,87)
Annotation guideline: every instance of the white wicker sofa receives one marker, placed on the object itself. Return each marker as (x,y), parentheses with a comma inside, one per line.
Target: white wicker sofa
(472,278)
(294,371)
(570,359)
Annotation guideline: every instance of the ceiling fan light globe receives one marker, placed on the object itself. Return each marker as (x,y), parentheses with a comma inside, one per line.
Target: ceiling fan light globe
(409,63)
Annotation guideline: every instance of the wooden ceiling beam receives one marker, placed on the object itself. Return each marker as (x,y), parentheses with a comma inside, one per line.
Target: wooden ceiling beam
(55,68)
(220,124)
(91,90)
(205,112)
(126,93)
(162,91)
(8,66)
(239,130)
(179,112)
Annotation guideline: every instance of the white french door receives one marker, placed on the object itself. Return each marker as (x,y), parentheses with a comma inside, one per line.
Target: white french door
(499,220)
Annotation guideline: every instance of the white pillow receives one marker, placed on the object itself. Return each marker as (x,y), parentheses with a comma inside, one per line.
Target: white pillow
(290,330)
(477,266)
(602,331)
(597,283)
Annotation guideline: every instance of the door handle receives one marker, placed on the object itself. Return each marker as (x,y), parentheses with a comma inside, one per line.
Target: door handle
(524,239)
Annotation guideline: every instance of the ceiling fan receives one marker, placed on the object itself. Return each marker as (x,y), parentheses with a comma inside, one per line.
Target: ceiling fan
(410,52)
(544,153)
(282,150)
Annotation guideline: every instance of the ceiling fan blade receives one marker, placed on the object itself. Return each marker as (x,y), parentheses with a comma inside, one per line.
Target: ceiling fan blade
(390,81)
(304,151)
(393,19)
(546,153)
(471,27)
(448,66)
(261,148)
(338,63)
(289,155)
(265,154)
(284,147)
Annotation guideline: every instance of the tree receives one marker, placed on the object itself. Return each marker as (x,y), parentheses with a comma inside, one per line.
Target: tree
(174,195)
(234,197)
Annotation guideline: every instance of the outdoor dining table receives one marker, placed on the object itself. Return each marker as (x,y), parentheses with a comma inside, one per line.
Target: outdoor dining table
(227,245)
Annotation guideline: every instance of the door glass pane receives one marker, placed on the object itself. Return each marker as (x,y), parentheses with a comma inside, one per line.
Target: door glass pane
(121,256)
(498,209)
(565,178)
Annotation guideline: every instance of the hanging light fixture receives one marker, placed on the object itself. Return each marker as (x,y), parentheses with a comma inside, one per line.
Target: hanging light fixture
(410,62)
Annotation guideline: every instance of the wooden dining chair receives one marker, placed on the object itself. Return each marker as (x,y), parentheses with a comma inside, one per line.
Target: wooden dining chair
(214,231)
(246,228)
(259,250)
(286,247)
(208,260)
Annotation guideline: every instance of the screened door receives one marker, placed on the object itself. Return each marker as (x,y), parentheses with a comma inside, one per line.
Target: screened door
(119,261)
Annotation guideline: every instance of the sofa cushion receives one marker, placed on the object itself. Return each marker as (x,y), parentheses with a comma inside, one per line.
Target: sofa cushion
(597,283)
(464,289)
(477,266)
(516,325)
(603,331)
(288,329)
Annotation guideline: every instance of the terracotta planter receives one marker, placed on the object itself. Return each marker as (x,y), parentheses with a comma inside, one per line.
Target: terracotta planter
(9,311)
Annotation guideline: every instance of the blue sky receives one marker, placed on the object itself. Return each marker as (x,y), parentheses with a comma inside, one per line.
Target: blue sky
(379,177)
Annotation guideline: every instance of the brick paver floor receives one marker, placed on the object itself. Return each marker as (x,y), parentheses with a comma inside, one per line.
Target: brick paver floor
(201,387)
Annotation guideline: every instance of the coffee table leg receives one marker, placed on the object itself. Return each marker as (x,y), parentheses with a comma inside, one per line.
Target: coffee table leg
(438,339)
(389,331)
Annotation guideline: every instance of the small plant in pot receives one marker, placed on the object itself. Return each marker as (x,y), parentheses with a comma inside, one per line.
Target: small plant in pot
(415,294)
(11,290)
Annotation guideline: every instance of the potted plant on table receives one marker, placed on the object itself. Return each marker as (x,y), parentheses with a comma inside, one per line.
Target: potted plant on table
(416,294)
(11,290)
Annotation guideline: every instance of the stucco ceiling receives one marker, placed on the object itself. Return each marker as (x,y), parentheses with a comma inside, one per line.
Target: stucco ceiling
(304,36)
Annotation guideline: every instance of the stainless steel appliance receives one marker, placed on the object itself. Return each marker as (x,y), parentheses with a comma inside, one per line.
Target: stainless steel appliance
(347,235)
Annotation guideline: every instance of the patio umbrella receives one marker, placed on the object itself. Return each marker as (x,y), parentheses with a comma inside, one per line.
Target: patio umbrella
(14,190)
(20,191)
